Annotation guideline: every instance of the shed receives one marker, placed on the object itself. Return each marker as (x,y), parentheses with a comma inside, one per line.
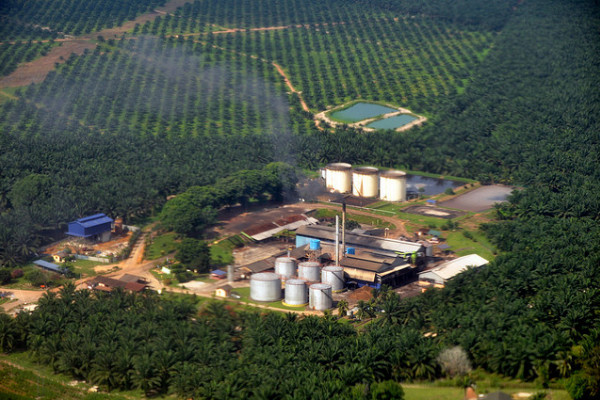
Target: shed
(51,267)
(431,202)
(448,270)
(223,291)
(94,226)
(218,274)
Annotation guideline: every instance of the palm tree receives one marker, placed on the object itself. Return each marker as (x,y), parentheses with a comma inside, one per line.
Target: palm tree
(342,307)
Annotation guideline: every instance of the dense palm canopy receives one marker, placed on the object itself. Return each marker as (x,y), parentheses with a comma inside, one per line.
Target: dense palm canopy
(516,100)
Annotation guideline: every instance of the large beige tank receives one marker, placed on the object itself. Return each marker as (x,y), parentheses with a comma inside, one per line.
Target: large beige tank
(338,177)
(392,186)
(365,182)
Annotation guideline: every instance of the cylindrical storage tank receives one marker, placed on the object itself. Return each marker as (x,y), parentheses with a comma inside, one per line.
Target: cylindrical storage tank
(338,177)
(296,293)
(392,186)
(309,271)
(285,267)
(314,244)
(365,182)
(319,297)
(350,250)
(265,286)
(333,276)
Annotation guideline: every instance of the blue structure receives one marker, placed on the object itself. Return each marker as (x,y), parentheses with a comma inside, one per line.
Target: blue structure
(93,225)
(50,267)
(315,244)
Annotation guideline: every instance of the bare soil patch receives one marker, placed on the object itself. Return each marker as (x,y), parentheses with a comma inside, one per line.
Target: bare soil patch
(37,70)
(434,212)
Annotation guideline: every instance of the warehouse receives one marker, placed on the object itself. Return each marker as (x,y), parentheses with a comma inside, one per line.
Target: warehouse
(368,269)
(95,227)
(448,270)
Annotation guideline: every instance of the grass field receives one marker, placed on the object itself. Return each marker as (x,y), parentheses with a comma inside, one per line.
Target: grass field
(160,246)
(432,392)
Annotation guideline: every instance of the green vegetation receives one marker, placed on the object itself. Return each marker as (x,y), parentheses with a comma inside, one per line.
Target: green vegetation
(121,128)
(13,54)
(27,17)
(161,245)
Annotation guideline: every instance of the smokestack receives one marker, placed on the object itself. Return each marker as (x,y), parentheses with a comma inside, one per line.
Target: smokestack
(230,274)
(337,240)
(343,227)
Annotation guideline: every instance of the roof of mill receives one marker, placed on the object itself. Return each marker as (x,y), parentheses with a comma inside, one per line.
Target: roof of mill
(354,239)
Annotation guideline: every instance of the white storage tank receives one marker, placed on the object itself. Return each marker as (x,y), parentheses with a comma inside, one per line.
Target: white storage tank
(392,186)
(365,182)
(265,286)
(319,297)
(338,177)
(296,293)
(285,267)
(309,271)
(333,276)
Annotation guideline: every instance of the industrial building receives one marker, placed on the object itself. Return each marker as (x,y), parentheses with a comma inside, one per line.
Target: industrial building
(449,269)
(95,227)
(382,246)
(370,269)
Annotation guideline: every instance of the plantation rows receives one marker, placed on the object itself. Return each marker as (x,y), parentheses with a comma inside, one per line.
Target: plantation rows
(193,17)
(407,62)
(13,54)
(174,88)
(75,16)
(13,30)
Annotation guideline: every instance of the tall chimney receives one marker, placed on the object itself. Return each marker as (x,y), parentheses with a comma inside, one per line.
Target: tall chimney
(343,227)
(337,240)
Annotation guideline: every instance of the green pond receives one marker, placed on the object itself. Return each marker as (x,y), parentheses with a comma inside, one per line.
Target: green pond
(360,111)
(392,122)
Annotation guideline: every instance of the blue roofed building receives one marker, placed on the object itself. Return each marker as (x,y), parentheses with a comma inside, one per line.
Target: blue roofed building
(51,267)
(96,227)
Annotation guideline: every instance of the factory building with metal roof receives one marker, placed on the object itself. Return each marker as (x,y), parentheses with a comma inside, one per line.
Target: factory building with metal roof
(368,269)
(384,246)
(97,226)
(448,270)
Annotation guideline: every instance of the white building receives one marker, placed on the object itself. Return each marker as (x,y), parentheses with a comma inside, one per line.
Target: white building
(448,270)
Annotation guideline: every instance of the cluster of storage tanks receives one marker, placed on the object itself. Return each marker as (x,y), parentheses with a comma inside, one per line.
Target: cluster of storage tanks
(307,284)
(366,181)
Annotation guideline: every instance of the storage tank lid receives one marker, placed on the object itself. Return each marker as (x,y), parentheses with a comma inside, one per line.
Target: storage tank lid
(285,259)
(309,264)
(333,268)
(338,166)
(294,282)
(265,276)
(320,286)
(366,171)
(393,174)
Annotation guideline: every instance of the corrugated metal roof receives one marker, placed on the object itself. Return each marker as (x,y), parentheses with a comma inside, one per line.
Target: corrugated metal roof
(353,239)
(454,267)
(360,274)
(103,219)
(289,224)
(49,266)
